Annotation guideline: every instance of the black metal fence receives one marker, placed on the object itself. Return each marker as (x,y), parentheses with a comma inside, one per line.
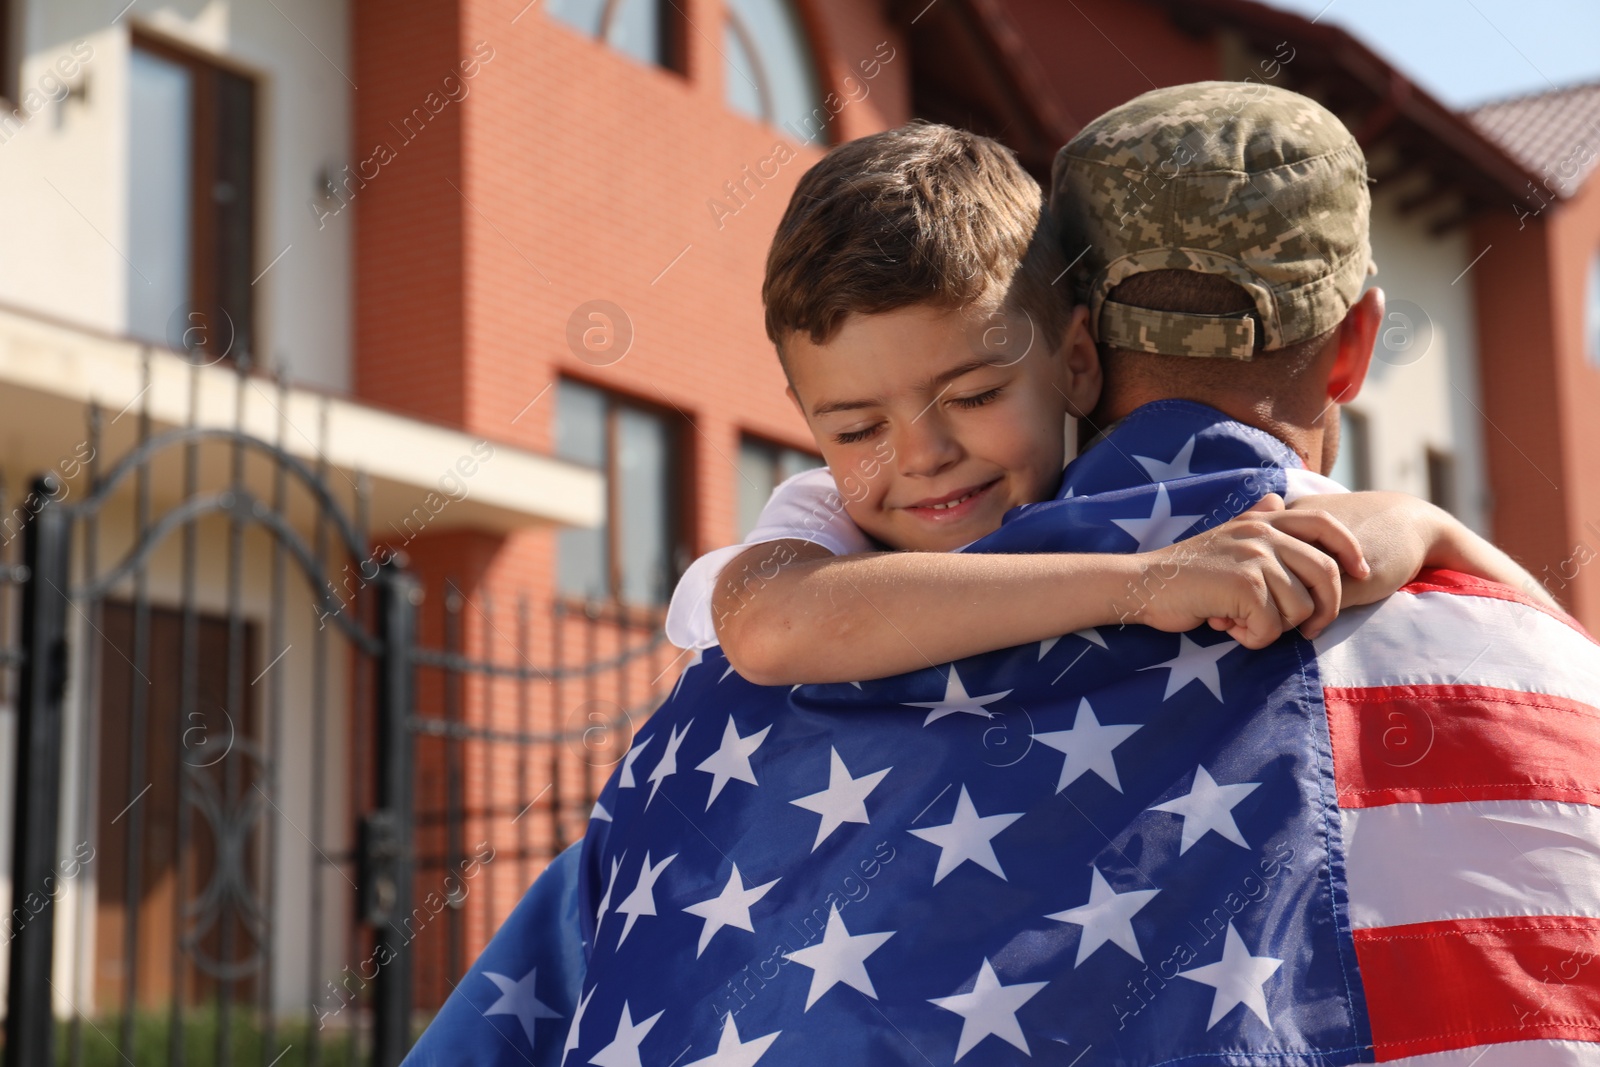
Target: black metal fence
(272,811)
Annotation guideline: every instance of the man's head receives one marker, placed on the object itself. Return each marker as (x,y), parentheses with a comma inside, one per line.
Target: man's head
(1220,231)
(909,292)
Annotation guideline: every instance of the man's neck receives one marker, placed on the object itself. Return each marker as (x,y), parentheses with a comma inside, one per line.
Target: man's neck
(1301,431)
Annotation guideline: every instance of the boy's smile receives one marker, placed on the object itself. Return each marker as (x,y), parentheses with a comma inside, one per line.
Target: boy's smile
(934,423)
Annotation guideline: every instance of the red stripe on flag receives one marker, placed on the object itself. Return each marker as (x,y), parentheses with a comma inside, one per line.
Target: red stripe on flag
(1438,580)
(1447,744)
(1436,986)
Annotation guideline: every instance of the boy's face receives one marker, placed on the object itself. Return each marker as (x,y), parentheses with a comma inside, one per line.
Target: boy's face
(921,406)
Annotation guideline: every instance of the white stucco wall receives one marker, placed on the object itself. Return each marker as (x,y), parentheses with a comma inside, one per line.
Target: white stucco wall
(64,173)
(1423,394)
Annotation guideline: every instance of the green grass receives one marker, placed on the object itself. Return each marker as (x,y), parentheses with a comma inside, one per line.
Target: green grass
(291,1045)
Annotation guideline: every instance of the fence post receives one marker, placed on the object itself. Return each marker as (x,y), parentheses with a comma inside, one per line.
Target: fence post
(30,1025)
(393,860)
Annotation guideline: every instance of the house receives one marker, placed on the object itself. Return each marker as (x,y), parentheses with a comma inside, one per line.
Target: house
(163,268)
(1539,307)
(489,271)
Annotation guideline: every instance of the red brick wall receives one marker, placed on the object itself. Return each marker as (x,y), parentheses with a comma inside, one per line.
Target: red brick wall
(1522,443)
(1573,239)
(1539,395)
(409,318)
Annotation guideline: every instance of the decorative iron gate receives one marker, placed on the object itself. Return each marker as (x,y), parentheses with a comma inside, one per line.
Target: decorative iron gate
(185,800)
(234,787)
(511,746)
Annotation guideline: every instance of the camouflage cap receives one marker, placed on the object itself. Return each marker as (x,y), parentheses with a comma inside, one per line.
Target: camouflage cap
(1249,181)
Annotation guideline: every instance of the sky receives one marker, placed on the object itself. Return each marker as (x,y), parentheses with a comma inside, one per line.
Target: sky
(1467,52)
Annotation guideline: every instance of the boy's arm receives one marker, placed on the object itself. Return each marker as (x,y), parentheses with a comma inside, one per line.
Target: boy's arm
(1401,534)
(788,611)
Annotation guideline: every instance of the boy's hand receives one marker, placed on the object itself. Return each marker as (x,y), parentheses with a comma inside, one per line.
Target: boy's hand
(1400,534)
(1267,571)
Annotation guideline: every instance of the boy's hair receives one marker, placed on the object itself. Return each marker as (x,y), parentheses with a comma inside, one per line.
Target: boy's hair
(924,214)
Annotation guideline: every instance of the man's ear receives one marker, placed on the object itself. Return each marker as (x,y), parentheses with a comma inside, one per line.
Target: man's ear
(1079,376)
(1357,335)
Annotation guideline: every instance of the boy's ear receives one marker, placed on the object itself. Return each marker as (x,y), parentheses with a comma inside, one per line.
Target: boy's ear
(1080,377)
(794,398)
(1357,335)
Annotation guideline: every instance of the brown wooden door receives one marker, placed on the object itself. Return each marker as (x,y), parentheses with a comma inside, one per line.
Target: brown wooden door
(216,752)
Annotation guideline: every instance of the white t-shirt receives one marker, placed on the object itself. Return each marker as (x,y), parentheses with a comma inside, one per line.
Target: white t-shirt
(808,507)
(805,507)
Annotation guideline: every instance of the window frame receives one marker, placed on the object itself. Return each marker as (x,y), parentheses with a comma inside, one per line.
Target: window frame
(811,29)
(777,448)
(1357,446)
(1591,311)
(680,486)
(673,35)
(1440,465)
(207,69)
(11,35)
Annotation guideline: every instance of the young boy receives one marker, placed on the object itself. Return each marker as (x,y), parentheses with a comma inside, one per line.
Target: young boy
(910,295)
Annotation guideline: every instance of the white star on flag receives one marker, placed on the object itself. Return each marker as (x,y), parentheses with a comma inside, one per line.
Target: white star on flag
(605,901)
(1178,468)
(731,907)
(694,661)
(731,1052)
(599,813)
(967,837)
(1107,916)
(626,780)
(1162,527)
(839,957)
(1089,634)
(577,1021)
(1208,806)
(1239,978)
(845,799)
(1194,663)
(732,759)
(725,674)
(990,1009)
(642,901)
(668,764)
(517,998)
(1088,747)
(624,1048)
(956,700)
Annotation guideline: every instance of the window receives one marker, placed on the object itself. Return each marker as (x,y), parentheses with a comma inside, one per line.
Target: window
(10,54)
(1591,315)
(1442,479)
(638,28)
(191,178)
(769,73)
(638,551)
(761,467)
(1353,468)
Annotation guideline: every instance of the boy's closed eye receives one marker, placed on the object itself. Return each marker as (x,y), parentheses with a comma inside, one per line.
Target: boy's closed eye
(979,399)
(976,400)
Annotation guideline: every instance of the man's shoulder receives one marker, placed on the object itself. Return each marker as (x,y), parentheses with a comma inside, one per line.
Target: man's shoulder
(1456,683)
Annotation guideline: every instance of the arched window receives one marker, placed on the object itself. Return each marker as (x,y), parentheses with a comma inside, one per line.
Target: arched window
(637,28)
(770,73)
(1591,314)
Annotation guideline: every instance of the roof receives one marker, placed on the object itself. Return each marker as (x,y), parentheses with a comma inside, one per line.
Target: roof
(1554,134)
(1380,105)
(987,80)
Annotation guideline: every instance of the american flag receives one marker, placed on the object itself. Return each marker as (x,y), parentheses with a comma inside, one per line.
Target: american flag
(1114,847)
